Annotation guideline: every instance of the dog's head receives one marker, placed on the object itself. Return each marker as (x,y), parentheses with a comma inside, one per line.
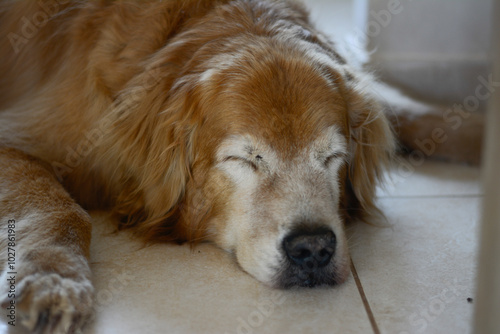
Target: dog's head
(275,147)
(285,151)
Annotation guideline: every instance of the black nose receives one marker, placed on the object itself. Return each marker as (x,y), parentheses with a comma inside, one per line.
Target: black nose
(310,249)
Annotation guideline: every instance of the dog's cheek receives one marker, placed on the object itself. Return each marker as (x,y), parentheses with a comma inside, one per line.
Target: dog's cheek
(241,225)
(259,233)
(259,257)
(221,195)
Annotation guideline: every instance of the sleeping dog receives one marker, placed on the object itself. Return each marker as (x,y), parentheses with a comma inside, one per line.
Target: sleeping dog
(235,122)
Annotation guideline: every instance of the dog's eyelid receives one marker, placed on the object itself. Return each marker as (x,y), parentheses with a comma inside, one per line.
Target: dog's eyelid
(340,155)
(241,159)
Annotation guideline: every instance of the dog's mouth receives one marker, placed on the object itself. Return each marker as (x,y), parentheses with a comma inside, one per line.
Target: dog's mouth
(293,276)
(307,280)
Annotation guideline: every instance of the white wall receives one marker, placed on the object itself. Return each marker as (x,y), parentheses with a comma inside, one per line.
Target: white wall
(434,48)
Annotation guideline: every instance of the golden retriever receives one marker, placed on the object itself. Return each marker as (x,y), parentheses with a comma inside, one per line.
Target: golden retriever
(235,122)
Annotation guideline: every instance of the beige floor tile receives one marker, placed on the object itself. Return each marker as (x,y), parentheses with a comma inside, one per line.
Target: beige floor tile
(418,274)
(431,178)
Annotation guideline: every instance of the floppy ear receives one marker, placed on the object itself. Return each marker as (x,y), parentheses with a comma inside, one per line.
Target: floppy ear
(149,145)
(371,145)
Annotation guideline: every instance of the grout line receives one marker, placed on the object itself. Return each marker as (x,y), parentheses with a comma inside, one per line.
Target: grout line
(366,304)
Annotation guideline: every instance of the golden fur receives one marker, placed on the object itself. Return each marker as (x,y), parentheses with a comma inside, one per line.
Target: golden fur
(143,136)
(127,105)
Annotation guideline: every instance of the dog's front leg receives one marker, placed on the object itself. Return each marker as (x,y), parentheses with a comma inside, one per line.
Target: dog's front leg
(44,248)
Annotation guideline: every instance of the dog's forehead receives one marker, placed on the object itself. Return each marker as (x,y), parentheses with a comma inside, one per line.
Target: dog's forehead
(288,107)
(291,139)
(287,131)
(283,93)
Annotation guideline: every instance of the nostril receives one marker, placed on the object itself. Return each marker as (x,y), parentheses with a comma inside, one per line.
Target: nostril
(310,249)
(302,253)
(324,253)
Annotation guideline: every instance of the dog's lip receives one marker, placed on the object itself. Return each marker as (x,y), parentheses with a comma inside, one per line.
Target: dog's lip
(327,277)
(309,283)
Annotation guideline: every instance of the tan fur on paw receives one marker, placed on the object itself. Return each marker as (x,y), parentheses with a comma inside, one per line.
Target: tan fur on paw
(49,303)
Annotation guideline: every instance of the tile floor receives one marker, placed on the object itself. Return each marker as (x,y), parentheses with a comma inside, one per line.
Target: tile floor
(414,275)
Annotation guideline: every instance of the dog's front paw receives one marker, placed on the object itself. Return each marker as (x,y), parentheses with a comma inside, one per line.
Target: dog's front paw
(50,303)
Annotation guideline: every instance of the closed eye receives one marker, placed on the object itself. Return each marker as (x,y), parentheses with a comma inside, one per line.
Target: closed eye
(241,159)
(333,157)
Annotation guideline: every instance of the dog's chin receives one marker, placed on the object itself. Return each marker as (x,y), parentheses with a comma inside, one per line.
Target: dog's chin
(291,277)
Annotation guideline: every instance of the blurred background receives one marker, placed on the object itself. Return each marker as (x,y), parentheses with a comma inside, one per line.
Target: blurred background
(433,50)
